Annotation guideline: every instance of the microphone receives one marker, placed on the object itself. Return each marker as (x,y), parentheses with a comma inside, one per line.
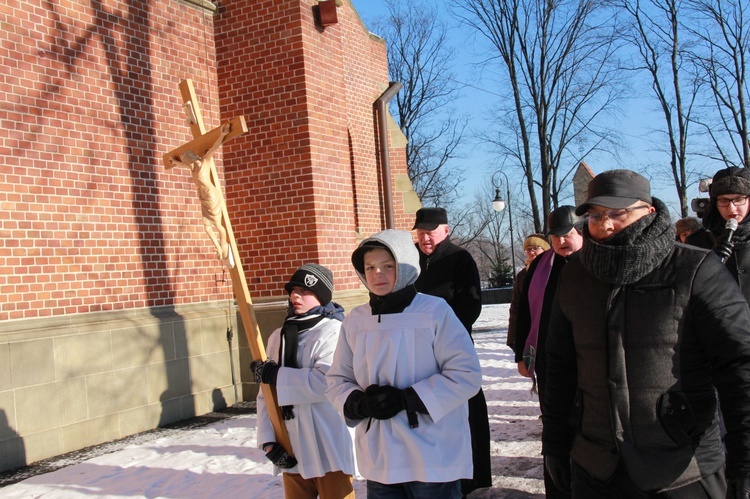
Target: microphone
(730,227)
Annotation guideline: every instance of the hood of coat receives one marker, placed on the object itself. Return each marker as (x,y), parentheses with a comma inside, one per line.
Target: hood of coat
(401,245)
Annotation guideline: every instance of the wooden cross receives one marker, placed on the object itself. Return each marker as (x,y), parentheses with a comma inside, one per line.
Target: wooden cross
(199,153)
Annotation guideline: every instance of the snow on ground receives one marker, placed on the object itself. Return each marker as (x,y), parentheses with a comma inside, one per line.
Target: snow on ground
(222,458)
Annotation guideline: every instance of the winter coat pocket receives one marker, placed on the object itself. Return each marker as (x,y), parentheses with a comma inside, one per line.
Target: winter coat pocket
(676,417)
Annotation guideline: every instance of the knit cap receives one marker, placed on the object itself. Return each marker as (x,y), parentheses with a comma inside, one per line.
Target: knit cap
(535,240)
(732,180)
(314,277)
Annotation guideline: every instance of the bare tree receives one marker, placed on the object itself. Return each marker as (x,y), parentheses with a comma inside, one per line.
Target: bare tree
(485,233)
(420,58)
(723,28)
(655,32)
(558,59)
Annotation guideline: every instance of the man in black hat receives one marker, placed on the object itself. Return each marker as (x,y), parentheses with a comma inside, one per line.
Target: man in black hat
(564,230)
(450,272)
(643,332)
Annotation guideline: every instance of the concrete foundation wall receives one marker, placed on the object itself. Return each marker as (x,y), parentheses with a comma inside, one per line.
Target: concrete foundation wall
(70,382)
(74,381)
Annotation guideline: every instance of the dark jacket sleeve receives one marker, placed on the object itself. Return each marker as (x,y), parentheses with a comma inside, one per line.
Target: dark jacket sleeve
(701,238)
(722,321)
(513,313)
(561,386)
(467,297)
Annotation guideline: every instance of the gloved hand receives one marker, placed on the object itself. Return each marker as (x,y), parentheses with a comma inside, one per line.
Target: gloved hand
(558,468)
(384,402)
(281,458)
(738,488)
(723,248)
(264,371)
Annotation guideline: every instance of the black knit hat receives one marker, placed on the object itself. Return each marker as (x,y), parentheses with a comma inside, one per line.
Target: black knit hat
(314,277)
(730,180)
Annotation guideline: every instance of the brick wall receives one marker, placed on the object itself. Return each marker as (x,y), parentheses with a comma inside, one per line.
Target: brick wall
(303,184)
(90,220)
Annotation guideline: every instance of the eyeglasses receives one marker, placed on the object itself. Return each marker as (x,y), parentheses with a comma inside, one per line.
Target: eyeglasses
(738,201)
(613,215)
(533,249)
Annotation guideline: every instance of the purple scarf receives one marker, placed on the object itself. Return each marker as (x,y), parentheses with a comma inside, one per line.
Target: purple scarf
(537,287)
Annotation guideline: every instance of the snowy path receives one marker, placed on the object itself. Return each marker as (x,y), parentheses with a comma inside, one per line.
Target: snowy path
(221,458)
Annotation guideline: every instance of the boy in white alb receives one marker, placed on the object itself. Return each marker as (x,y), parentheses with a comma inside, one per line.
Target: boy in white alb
(402,373)
(300,353)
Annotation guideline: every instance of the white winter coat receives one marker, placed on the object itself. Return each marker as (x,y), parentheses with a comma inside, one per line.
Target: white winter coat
(320,439)
(425,347)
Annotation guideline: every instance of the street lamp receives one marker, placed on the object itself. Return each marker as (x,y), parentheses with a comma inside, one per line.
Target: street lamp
(498,204)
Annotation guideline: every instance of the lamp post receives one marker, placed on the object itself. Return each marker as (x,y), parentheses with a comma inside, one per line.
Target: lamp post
(498,204)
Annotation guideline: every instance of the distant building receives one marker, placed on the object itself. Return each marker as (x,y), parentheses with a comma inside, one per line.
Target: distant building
(581,179)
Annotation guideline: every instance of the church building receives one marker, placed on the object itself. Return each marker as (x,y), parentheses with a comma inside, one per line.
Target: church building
(116,313)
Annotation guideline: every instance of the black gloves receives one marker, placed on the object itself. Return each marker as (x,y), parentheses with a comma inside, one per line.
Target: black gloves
(384,402)
(738,488)
(558,469)
(379,402)
(278,456)
(264,371)
(723,248)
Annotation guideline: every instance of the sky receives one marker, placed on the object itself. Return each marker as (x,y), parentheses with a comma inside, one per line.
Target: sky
(475,100)
(222,459)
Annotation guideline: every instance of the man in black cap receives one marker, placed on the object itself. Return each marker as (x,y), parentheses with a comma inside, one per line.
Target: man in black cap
(539,286)
(643,332)
(450,272)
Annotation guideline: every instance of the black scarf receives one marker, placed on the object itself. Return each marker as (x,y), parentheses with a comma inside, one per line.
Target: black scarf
(626,257)
(392,303)
(715,223)
(293,327)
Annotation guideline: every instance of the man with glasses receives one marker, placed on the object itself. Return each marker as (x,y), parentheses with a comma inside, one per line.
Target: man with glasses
(564,230)
(642,333)
(729,191)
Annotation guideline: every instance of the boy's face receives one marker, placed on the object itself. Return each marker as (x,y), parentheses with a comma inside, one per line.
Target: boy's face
(302,300)
(380,271)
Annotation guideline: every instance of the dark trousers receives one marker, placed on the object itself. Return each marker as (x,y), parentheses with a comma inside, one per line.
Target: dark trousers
(479,425)
(621,487)
(550,489)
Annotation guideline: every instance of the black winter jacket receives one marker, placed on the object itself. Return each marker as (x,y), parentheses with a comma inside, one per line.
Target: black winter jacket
(738,262)
(513,311)
(451,273)
(631,372)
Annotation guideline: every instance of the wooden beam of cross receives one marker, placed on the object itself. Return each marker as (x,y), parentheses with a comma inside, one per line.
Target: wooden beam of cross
(198,156)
